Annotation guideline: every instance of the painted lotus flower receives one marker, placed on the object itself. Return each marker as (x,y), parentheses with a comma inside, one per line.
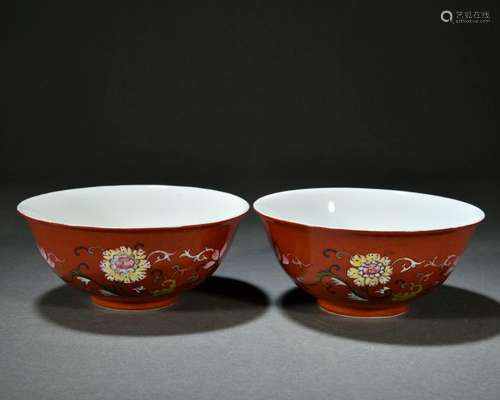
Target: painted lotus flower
(124,264)
(370,270)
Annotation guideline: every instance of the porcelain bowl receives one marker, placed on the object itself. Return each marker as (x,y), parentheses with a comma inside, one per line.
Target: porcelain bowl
(367,252)
(133,247)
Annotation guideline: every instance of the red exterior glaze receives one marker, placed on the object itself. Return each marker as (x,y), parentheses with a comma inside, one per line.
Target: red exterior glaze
(329,264)
(133,268)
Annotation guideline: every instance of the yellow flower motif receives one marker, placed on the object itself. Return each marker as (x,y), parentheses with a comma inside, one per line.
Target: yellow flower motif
(124,264)
(169,288)
(403,296)
(370,270)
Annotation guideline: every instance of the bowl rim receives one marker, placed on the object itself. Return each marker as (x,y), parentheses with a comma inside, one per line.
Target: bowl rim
(231,218)
(297,223)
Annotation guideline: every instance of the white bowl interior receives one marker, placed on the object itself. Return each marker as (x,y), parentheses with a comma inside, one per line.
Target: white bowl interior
(368,209)
(134,206)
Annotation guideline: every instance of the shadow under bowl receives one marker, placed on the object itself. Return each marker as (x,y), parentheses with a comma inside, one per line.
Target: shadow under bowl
(450,315)
(218,303)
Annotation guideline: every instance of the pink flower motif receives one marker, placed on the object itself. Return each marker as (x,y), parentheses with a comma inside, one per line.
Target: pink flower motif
(285,260)
(209,264)
(47,257)
(123,263)
(42,252)
(223,250)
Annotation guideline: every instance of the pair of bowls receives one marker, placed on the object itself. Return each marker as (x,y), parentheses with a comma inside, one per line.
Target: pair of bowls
(360,252)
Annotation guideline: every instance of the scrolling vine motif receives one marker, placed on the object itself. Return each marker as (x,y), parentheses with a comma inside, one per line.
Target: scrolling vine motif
(368,274)
(130,264)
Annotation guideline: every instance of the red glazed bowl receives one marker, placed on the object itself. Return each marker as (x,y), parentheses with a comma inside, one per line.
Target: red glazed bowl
(367,252)
(133,247)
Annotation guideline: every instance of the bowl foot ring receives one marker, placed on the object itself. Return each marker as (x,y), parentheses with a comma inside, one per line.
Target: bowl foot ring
(120,305)
(357,312)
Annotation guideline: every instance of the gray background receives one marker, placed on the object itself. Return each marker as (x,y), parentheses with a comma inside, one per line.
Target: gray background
(249,100)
